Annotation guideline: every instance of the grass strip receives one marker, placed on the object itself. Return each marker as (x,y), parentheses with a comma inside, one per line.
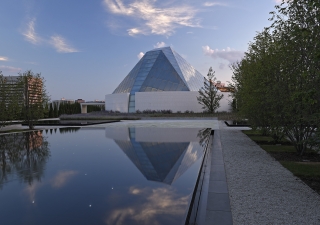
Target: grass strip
(308,172)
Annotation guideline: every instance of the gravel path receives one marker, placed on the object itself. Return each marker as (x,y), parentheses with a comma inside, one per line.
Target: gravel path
(261,190)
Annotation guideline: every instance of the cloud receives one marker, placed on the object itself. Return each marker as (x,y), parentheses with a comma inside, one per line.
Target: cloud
(30,33)
(32,189)
(280,1)
(152,19)
(228,54)
(57,41)
(2,58)
(10,69)
(160,45)
(60,45)
(222,66)
(140,55)
(135,31)
(62,177)
(209,4)
(153,204)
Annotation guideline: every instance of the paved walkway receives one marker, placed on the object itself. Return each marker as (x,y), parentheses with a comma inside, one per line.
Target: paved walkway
(261,190)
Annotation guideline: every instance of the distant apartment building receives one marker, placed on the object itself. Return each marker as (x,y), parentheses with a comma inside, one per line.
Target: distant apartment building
(27,91)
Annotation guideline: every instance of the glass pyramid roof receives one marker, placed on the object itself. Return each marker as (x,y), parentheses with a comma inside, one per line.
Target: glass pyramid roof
(161,69)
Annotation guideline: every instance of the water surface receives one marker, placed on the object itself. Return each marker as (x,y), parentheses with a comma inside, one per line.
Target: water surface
(98,176)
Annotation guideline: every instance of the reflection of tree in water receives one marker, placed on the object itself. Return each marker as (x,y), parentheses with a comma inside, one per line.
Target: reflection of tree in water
(203,136)
(23,156)
(69,130)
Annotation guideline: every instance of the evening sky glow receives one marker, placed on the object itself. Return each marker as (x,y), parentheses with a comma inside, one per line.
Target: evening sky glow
(84,49)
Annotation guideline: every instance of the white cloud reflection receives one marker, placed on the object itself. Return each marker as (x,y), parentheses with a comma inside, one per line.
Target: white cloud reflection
(164,202)
(31,190)
(62,178)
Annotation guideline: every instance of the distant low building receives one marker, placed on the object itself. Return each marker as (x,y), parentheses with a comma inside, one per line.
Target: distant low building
(96,101)
(62,101)
(80,100)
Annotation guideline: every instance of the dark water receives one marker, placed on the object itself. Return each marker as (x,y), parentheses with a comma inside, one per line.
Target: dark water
(98,176)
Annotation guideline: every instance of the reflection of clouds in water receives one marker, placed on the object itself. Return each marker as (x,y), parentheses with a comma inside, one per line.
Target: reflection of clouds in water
(57,182)
(62,177)
(152,203)
(31,190)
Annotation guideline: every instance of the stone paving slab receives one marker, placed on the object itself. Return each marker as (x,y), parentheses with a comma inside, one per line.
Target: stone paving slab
(204,123)
(261,190)
(218,203)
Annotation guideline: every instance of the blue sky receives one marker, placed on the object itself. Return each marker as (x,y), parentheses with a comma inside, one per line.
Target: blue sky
(84,49)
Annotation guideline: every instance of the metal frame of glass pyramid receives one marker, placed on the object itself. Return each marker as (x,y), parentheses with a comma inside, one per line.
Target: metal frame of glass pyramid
(161,69)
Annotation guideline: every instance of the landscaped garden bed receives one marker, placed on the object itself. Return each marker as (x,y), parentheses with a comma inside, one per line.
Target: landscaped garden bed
(306,167)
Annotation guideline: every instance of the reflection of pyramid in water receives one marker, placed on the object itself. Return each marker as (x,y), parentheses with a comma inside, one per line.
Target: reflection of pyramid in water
(163,162)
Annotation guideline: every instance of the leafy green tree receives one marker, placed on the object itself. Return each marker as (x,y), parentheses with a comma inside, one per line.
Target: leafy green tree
(208,94)
(277,82)
(55,110)
(51,110)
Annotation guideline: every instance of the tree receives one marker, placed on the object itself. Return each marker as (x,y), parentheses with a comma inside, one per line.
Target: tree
(208,94)
(51,110)
(23,156)
(35,97)
(277,82)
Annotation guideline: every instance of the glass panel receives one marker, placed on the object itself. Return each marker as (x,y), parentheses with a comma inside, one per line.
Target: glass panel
(168,86)
(132,110)
(138,82)
(135,88)
(162,84)
(174,87)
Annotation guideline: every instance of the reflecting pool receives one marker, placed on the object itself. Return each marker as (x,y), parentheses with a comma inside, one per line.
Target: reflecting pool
(88,175)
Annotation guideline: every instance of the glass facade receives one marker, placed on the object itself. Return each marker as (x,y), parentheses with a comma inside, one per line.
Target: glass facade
(161,69)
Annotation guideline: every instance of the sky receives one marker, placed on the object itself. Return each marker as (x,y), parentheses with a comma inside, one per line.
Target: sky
(84,49)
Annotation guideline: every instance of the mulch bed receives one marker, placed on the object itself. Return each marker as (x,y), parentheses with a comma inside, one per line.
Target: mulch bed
(313,182)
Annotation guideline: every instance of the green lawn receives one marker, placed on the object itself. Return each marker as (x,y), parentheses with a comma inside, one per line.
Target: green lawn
(305,169)
(278,148)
